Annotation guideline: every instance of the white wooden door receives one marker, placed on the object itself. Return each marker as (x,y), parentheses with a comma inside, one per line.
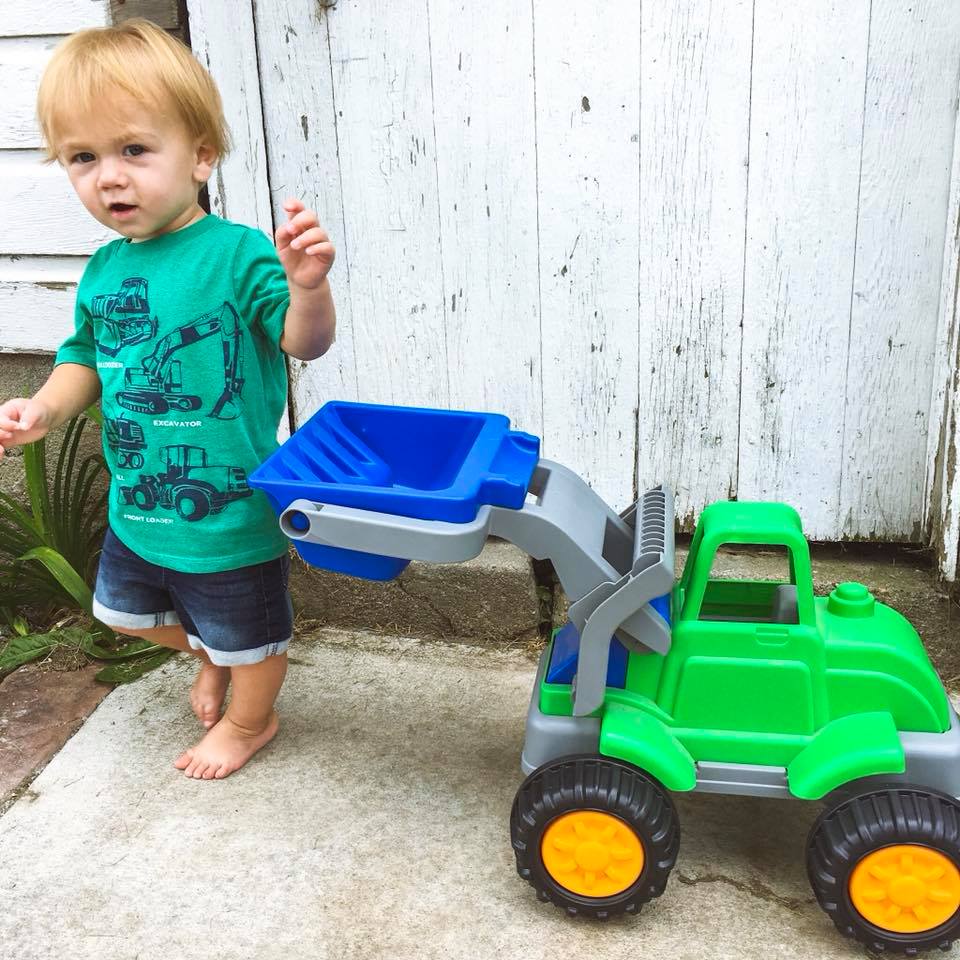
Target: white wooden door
(696,243)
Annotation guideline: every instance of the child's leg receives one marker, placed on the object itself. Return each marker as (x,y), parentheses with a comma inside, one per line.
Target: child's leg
(209,689)
(132,596)
(249,723)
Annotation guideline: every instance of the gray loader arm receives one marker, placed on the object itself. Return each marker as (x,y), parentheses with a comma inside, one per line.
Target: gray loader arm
(610,566)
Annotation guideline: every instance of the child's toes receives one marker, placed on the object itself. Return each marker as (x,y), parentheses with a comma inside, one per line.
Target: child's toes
(184,760)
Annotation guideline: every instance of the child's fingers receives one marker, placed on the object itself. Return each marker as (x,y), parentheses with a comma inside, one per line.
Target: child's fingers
(304,220)
(293,206)
(313,235)
(324,249)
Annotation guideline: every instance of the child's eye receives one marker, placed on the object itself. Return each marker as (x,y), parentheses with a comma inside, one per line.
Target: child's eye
(83,156)
(134,149)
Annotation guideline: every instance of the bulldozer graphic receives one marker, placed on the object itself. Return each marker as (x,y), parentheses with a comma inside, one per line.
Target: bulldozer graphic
(157,387)
(125,316)
(190,485)
(125,439)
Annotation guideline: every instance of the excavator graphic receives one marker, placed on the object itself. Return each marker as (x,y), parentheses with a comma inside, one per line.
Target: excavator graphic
(157,387)
(189,485)
(125,315)
(125,439)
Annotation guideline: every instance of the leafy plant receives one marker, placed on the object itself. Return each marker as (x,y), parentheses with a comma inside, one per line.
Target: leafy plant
(48,558)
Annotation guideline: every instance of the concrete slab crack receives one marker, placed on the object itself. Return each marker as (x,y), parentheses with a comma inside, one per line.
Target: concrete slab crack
(752,887)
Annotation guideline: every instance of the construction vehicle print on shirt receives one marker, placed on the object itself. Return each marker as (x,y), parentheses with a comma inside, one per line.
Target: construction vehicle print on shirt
(125,439)
(157,387)
(189,485)
(125,316)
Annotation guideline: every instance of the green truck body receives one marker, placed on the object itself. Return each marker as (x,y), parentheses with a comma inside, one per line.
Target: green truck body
(765,673)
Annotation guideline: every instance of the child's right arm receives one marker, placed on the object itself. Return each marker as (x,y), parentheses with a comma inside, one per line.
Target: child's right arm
(70,389)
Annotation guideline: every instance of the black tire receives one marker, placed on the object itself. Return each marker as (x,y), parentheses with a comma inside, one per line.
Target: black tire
(191,505)
(856,826)
(143,497)
(607,786)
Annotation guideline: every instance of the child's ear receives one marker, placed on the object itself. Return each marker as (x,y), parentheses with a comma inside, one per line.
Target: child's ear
(206,161)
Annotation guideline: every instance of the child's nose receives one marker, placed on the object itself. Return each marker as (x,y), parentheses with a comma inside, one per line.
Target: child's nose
(111,173)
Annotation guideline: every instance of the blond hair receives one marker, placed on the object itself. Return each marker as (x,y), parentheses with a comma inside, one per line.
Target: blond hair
(140,60)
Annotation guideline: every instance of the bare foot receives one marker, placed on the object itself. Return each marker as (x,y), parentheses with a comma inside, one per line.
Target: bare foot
(227,747)
(208,692)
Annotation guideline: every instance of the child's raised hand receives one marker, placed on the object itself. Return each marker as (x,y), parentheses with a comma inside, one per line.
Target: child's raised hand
(22,421)
(303,246)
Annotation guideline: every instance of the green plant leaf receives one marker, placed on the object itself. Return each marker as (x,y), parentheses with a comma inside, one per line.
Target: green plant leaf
(35,468)
(65,575)
(23,649)
(126,672)
(134,648)
(94,413)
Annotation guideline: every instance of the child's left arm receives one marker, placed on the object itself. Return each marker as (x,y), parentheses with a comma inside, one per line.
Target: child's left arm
(307,255)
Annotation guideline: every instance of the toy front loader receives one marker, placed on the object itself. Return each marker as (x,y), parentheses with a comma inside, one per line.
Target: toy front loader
(752,688)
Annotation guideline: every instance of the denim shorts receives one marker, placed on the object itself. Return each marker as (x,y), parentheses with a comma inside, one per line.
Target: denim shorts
(236,616)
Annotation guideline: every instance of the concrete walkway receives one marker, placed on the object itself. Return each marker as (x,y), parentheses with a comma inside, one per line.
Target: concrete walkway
(375,826)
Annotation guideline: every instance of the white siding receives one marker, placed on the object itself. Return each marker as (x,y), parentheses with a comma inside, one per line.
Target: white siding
(45,234)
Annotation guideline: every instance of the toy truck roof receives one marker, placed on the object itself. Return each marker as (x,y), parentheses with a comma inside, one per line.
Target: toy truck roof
(750,522)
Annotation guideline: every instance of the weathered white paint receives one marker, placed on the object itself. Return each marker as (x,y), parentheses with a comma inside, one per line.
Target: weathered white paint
(482,79)
(41,221)
(587,65)
(298,93)
(941,514)
(904,184)
(809,66)
(380,56)
(22,18)
(22,60)
(241,179)
(694,116)
(623,227)
(36,302)
(41,213)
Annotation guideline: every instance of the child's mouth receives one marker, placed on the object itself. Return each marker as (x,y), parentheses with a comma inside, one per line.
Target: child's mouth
(122,210)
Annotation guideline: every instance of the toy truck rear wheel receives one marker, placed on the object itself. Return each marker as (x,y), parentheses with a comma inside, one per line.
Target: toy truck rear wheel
(885,866)
(594,836)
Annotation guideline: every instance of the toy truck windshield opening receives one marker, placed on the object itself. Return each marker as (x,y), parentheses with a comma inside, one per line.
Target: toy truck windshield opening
(730,595)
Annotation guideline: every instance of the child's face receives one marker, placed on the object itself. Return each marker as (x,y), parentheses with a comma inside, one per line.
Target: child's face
(136,172)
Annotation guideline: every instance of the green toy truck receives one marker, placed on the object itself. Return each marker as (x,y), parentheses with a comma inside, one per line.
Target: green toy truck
(655,686)
(765,690)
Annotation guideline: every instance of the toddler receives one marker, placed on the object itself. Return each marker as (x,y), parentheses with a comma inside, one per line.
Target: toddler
(181,327)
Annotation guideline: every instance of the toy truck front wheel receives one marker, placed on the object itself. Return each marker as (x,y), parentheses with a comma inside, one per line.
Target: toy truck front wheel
(885,866)
(594,836)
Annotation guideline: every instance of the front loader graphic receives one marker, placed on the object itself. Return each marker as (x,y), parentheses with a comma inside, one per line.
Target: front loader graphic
(125,439)
(125,315)
(189,485)
(157,387)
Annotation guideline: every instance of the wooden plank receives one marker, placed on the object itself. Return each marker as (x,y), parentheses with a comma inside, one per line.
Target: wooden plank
(942,506)
(381,81)
(486,171)
(300,122)
(913,59)
(809,68)
(41,213)
(223,40)
(693,185)
(22,61)
(587,68)
(36,302)
(20,18)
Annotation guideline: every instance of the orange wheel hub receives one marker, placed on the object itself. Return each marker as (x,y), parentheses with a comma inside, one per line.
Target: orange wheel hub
(592,853)
(906,888)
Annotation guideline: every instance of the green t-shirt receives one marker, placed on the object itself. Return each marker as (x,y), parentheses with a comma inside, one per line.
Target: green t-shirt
(184,332)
